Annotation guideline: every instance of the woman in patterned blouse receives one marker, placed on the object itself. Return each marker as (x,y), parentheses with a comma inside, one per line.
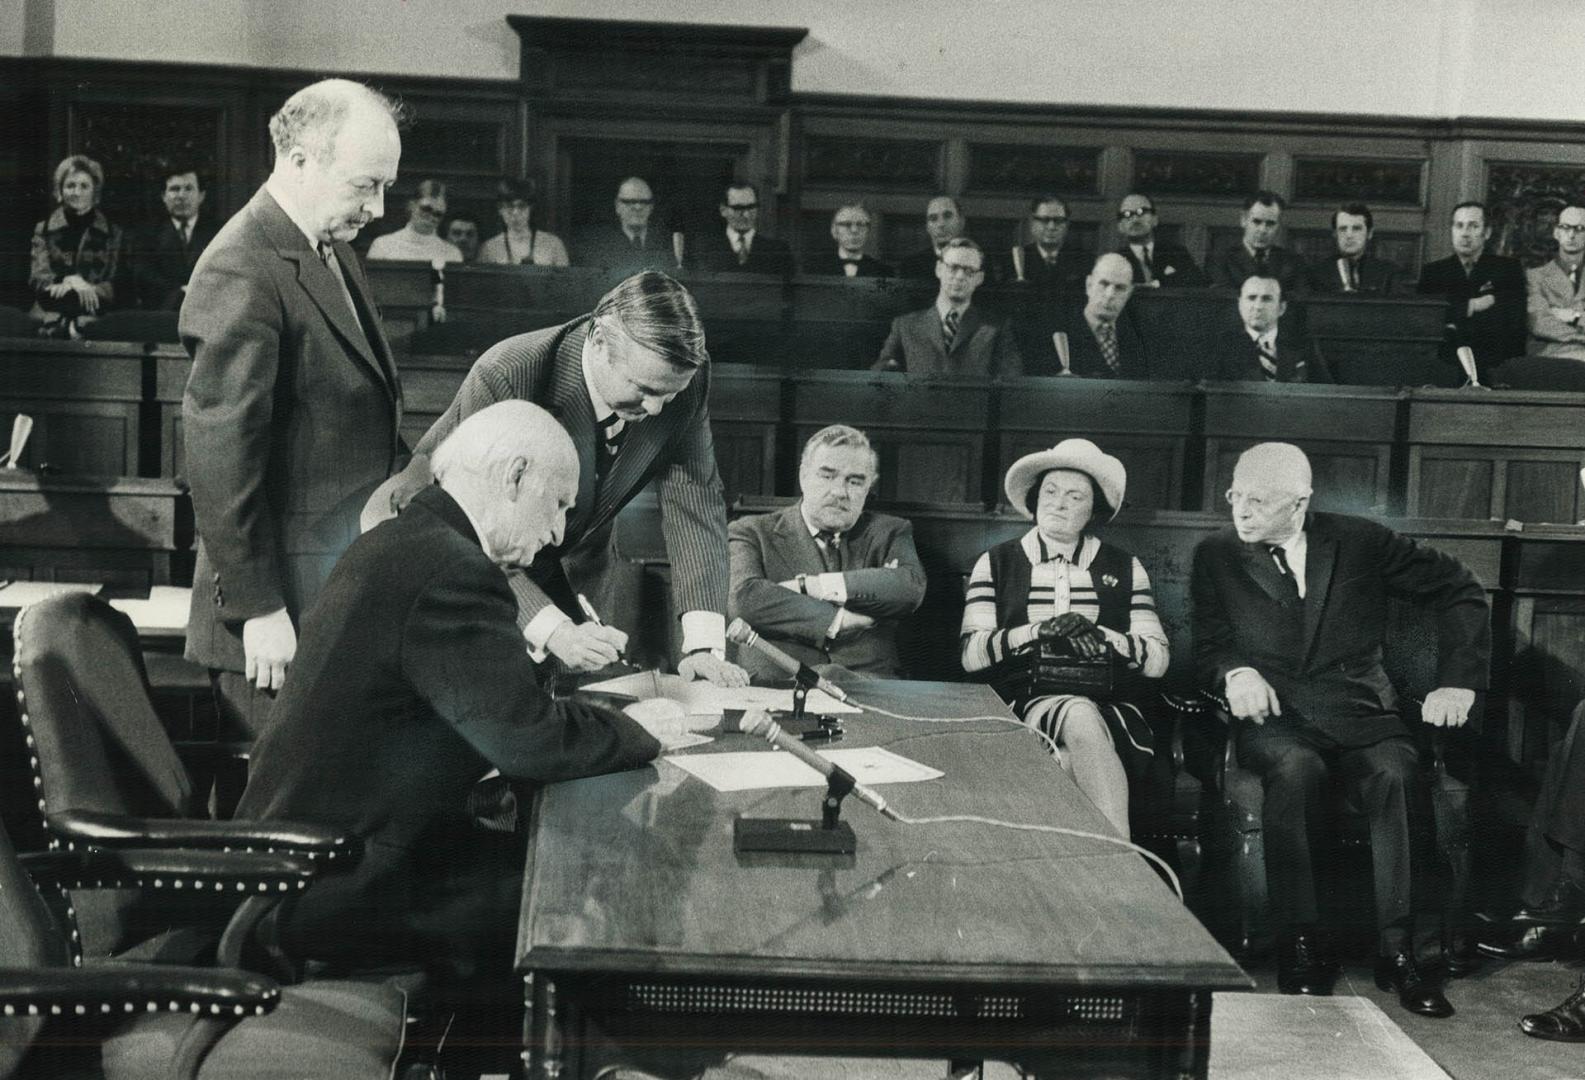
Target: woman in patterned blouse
(1058,581)
(76,252)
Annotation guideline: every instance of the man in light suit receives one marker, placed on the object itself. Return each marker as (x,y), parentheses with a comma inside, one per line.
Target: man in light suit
(823,579)
(1258,251)
(1485,294)
(1355,270)
(1265,348)
(631,384)
(1557,291)
(292,407)
(164,254)
(1155,262)
(1289,611)
(952,338)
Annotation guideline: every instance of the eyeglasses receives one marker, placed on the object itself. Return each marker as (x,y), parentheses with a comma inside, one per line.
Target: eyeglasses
(516,204)
(743,206)
(960,268)
(1572,230)
(1130,215)
(1043,220)
(1256,502)
(851,224)
(636,202)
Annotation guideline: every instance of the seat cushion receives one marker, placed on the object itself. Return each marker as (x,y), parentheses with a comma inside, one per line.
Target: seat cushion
(334,1028)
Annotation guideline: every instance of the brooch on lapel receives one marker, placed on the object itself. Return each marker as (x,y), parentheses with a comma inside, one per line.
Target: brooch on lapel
(1109,581)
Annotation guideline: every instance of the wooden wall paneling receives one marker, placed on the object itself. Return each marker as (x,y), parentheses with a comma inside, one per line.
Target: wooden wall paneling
(429,385)
(171,368)
(1378,342)
(85,398)
(842,322)
(1547,673)
(24,171)
(121,531)
(745,418)
(1525,182)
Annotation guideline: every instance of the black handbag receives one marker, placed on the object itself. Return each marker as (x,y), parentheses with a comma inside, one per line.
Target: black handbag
(1044,667)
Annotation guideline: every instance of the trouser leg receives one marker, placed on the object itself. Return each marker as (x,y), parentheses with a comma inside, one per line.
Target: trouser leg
(1382,776)
(1293,775)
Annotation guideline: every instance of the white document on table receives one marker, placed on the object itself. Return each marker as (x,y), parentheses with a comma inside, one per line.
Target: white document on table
(753,770)
(22,593)
(702,698)
(165,611)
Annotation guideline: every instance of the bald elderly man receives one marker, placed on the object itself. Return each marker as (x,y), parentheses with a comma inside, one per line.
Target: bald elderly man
(633,242)
(944,221)
(1103,341)
(1289,611)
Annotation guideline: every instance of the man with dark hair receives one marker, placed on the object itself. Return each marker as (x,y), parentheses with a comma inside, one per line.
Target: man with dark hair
(1557,291)
(164,254)
(631,384)
(951,337)
(1355,269)
(1258,253)
(850,228)
(944,221)
(740,248)
(1252,351)
(1049,265)
(1155,262)
(462,230)
(419,240)
(1485,294)
(823,579)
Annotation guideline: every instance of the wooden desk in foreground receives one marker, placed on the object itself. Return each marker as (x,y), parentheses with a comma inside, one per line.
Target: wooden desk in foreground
(640,926)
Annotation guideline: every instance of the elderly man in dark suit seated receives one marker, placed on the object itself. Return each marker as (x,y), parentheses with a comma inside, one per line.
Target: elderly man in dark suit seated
(1099,340)
(1289,610)
(824,579)
(850,228)
(952,338)
(1264,348)
(1355,269)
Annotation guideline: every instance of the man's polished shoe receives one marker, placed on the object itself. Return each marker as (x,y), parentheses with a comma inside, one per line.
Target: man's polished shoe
(1564,906)
(1461,956)
(1526,943)
(1418,994)
(1565,1023)
(1304,966)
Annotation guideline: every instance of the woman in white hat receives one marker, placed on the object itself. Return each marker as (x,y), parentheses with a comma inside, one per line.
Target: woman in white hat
(1058,581)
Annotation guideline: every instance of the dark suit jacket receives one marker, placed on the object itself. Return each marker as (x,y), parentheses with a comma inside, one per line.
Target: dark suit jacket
(769,548)
(1065,279)
(1172,265)
(711,251)
(1332,675)
(1234,266)
(161,264)
(546,367)
(410,683)
(1377,277)
(607,246)
(981,350)
(1298,358)
(918,264)
(1499,332)
(829,262)
(1084,351)
(290,417)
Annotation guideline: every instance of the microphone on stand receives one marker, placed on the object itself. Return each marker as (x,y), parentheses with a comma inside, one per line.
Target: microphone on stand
(744,634)
(1018,262)
(678,242)
(1059,341)
(758,722)
(1466,360)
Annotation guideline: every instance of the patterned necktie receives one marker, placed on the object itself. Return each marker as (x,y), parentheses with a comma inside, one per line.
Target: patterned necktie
(830,553)
(327,255)
(1262,260)
(1280,557)
(740,242)
(949,328)
(1266,353)
(1106,336)
(612,431)
(1145,265)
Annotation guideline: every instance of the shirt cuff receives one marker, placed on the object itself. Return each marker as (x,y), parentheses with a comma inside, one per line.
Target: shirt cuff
(1228,678)
(835,587)
(540,627)
(703,630)
(1120,643)
(1022,635)
(836,625)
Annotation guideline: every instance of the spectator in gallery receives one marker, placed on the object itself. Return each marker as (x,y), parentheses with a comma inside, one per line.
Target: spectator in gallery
(1101,336)
(944,221)
(463,231)
(519,243)
(1355,268)
(850,228)
(419,240)
(740,247)
(1156,262)
(634,241)
(162,255)
(76,252)
(1258,251)
(1263,348)
(1556,297)
(952,338)
(1049,264)
(1485,293)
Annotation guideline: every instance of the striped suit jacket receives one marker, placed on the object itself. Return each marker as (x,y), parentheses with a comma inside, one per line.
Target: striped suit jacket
(546,367)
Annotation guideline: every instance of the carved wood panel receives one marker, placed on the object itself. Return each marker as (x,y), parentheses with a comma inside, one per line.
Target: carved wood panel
(1166,173)
(847,162)
(1029,168)
(135,142)
(1524,200)
(1367,180)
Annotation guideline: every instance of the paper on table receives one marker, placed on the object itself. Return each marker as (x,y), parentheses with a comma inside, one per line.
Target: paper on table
(752,770)
(701,698)
(22,593)
(164,610)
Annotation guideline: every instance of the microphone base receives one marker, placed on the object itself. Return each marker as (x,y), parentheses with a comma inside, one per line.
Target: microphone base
(792,835)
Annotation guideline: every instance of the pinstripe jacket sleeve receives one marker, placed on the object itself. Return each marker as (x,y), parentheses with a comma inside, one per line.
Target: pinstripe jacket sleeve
(693,515)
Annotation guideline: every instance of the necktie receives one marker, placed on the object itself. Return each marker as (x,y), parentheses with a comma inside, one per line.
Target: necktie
(612,431)
(1261,260)
(1353,276)
(1280,557)
(740,243)
(636,241)
(327,255)
(1146,265)
(850,267)
(1106,336)
(1266,354)
(949,328)
(186,229)
(830,554)
(1574,276)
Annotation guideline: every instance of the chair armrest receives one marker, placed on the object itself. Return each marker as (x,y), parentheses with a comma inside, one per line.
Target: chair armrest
(99,830)
(238,873)
(135,988)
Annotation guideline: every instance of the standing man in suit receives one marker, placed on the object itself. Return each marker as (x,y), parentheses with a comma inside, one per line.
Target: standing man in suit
(1557,291)
(741,248)
(1155,262)
(633,242)
(1289,611)
(292,407)
(850,228)
(823,579)
(1258,252)
(164,254)
(1252,352)
(1102,340)
(1355,269)
(1485,293)
(631,384)
(1051,269)
(952,338)
(944,221)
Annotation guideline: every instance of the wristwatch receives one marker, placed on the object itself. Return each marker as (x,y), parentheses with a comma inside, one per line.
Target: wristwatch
(719,654)
(803,584)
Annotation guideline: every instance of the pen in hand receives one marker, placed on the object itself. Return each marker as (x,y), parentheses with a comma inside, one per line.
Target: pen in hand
(594,617)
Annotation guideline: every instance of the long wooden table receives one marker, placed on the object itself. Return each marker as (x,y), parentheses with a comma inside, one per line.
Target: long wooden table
(641,927)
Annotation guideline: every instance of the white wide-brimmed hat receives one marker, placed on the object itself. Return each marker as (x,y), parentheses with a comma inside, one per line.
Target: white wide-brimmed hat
(1081,455)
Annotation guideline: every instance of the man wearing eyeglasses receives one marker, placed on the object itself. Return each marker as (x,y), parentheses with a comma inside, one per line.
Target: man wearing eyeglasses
(1557,301)
(944,221)
(1355,270)
(1289,609)
(1156,262)
(1049,265)
(1258,251)
(952,338)
(1485,294)
(740,248)
(633,242)
(850,228)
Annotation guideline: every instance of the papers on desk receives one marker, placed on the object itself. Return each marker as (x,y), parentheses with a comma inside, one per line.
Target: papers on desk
(753,770)
(19,594)
(704,699)
(164,612)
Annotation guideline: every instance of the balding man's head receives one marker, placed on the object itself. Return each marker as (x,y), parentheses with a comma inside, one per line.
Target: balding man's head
(1270,492)
(1108,287)
(336,152)
(512,467)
